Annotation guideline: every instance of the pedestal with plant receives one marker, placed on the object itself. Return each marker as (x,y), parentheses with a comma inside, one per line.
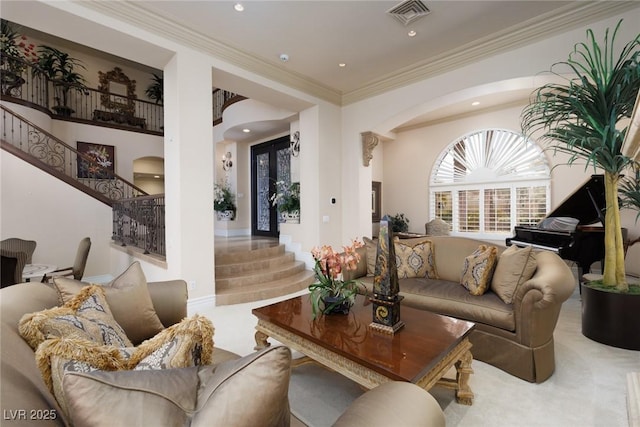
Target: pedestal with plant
(586,117)
(224,202)
(287,200)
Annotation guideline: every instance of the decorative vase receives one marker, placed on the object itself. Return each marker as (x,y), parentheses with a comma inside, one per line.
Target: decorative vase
(336,305)
(291,217)
(611,318)
(227,215)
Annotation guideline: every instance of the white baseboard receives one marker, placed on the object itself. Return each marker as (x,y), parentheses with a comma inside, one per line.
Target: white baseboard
(234,232)
(200,304)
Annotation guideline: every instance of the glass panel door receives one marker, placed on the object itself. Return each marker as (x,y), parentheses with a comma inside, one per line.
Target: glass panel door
(270,162)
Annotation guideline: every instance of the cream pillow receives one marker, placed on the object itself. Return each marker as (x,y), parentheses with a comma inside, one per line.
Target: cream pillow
(515,266)
(477,270)
(415,260)
(129,299)
(249,391)
(372,252)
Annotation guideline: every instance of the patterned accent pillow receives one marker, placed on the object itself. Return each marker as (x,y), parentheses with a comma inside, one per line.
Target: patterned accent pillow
(86,316)
(188,343)
(415,260)
(477,270)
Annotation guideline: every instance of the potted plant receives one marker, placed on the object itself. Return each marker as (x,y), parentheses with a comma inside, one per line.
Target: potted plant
(223,203)
(60,69)
(287,199)
(13,57)
(331,293)
(399,223)
(155,91)
(586,117)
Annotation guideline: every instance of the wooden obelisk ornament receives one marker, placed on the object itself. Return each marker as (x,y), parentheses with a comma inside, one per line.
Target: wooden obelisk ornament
(386,301)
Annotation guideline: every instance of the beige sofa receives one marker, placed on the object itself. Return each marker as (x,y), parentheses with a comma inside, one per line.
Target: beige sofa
(176,395)
(516,337)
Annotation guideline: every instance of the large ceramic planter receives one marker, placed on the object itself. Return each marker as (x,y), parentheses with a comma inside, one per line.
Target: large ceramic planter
(291,217)
(228,215)
(611,318)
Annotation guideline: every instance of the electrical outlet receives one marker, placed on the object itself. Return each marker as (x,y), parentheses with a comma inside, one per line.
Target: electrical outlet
(192,285)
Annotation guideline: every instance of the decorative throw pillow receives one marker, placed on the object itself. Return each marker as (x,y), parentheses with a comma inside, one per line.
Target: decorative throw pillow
(372,251)
(196,396)
(129,299)
(515,266)
(415,260)
(86,316)
(188,343)
(478,269)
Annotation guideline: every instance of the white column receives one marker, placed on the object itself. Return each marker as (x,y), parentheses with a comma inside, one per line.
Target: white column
(188,148)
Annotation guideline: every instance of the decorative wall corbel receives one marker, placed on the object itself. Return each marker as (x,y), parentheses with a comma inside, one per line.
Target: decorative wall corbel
(369,141)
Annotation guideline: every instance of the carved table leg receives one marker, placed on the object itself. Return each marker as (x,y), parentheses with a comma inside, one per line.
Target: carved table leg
(464,395)
(261,341)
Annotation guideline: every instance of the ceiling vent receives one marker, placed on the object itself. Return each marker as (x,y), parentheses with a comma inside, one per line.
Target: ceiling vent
(409,11)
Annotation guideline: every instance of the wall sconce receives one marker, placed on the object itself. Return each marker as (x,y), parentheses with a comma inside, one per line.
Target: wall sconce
(294,144)
(226,161)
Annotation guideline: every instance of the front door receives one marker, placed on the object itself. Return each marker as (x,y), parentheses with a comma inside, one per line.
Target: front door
(270,162)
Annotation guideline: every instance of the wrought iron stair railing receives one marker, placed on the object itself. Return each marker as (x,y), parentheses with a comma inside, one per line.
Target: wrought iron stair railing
(42,149)
(140,222)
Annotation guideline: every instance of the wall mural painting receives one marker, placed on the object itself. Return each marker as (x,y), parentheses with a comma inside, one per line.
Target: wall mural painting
(103,165)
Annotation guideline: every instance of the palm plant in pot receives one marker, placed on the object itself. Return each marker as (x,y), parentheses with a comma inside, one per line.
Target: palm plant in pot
(60,68)
(331,293)
(155,91)
(585,117)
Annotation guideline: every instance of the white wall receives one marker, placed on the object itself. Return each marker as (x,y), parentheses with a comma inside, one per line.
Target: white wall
(37,207)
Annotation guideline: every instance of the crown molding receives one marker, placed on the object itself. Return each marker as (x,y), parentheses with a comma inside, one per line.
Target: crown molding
(541,27)
(571,16)
(129,12)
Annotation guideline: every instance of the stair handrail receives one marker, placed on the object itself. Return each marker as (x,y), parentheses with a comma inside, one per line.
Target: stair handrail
(44,150)
(140,222)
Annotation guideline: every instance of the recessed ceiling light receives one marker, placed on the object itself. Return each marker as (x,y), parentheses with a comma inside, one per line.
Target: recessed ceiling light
(238,7)
(246,130)
(342,65)
(475,103)
(412,33)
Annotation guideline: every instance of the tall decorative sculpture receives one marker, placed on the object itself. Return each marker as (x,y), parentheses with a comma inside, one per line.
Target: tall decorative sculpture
(386,301)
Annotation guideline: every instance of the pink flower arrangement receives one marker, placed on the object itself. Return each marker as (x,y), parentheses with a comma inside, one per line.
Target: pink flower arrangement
(331,262)
(328,270)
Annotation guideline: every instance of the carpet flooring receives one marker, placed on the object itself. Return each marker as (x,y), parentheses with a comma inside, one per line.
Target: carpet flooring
(588,387)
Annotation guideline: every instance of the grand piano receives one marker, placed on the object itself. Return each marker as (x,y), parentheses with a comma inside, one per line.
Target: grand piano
(572,229)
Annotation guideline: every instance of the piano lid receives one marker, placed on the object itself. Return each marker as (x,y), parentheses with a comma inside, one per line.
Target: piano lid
(586,204)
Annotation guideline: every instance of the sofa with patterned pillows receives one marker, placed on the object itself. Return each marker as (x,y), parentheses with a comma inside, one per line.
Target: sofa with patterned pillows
(513,295)
(125,353)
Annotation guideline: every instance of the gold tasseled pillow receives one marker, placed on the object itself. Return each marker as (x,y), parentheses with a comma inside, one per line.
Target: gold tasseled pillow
(86,316)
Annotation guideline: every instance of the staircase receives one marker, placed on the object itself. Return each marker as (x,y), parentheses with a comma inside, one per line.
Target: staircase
(258,270)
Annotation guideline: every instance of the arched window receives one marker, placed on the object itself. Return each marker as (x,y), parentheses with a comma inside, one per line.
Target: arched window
(489,181)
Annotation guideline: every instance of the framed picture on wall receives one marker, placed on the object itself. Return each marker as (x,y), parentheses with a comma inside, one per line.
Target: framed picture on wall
(376,200)
(104,160)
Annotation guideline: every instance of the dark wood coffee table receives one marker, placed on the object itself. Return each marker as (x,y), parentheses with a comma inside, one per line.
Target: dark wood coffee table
(421,352)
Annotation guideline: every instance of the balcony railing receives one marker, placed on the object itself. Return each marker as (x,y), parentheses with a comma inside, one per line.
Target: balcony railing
(76,103)
(140,222)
